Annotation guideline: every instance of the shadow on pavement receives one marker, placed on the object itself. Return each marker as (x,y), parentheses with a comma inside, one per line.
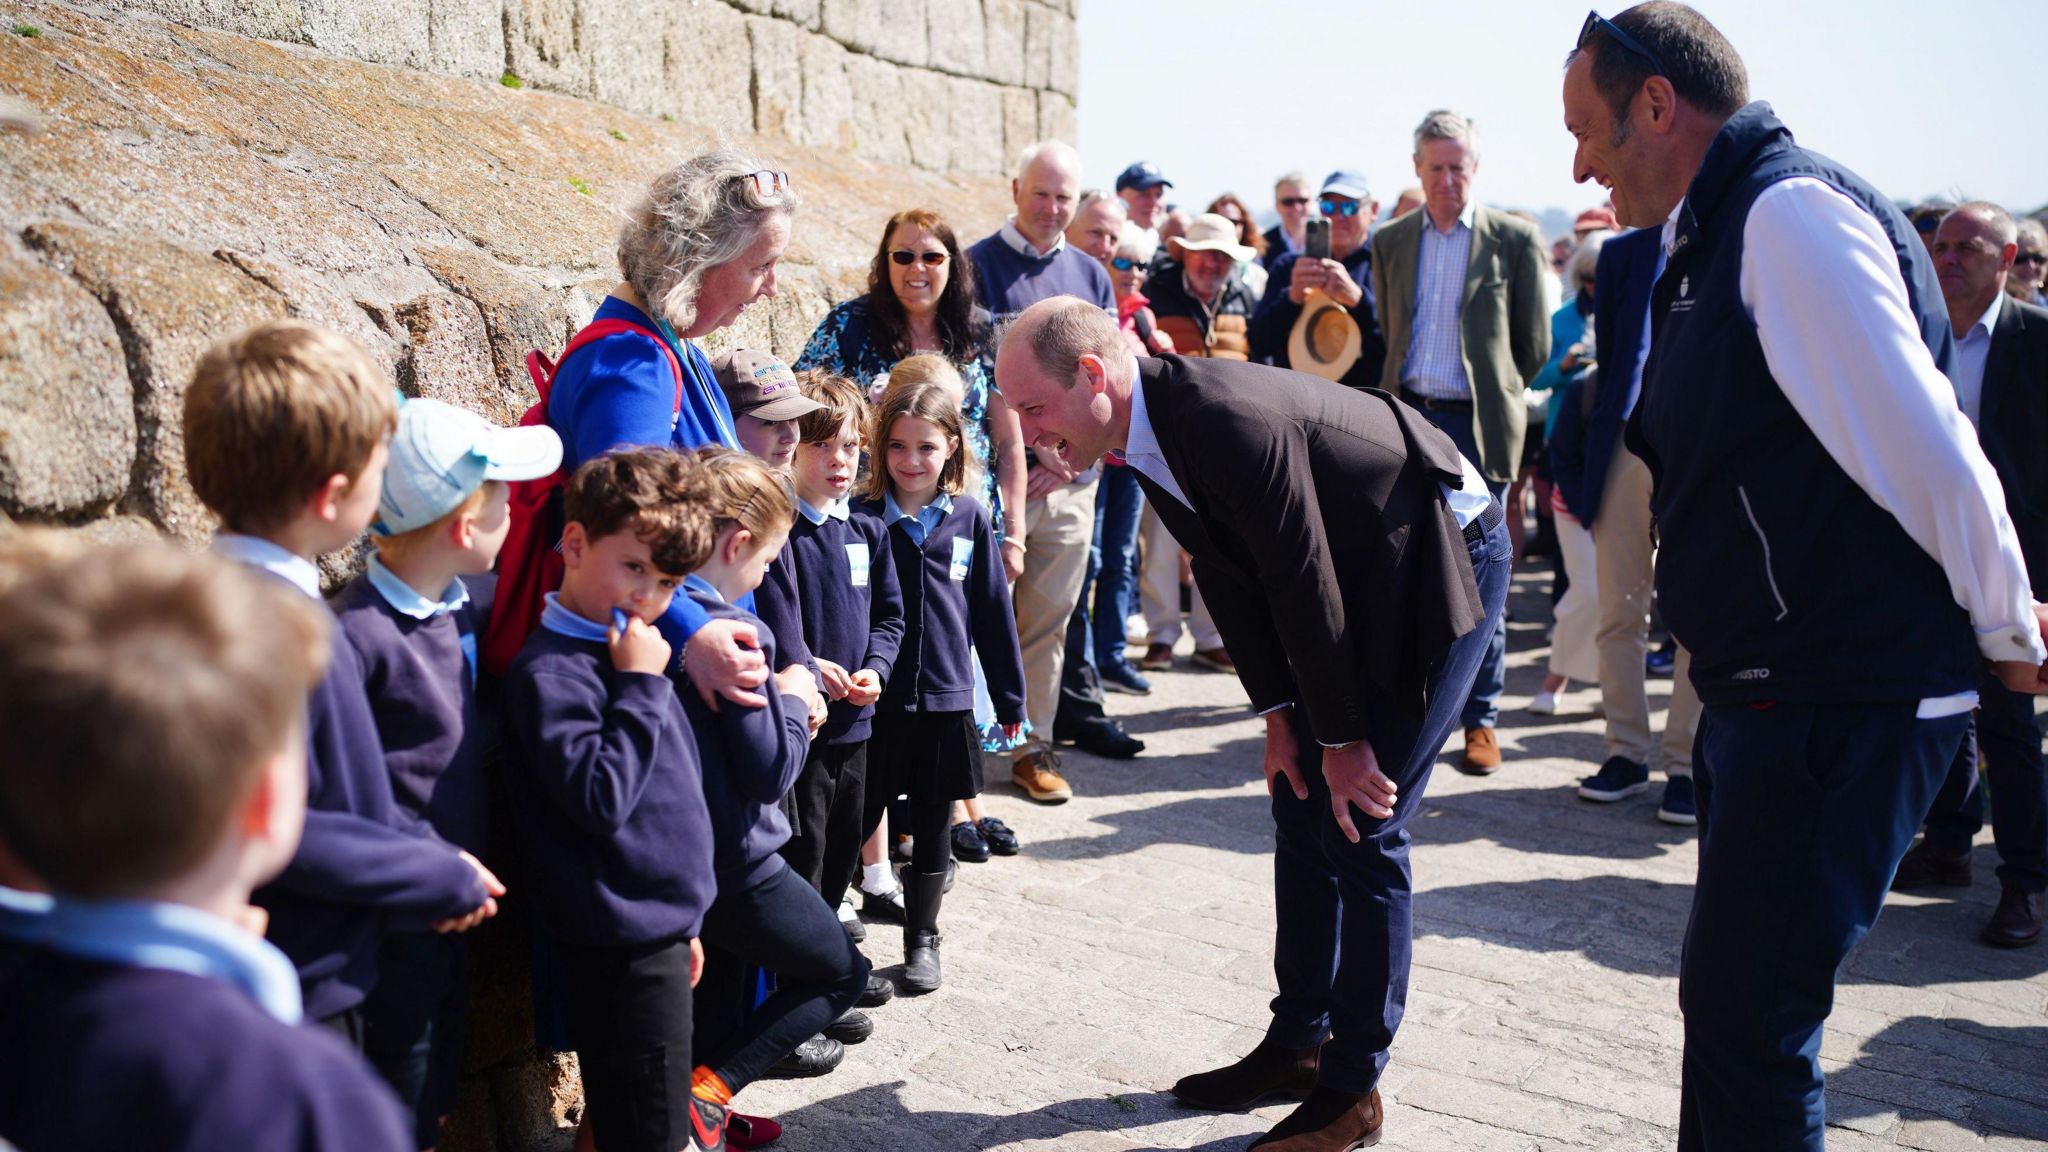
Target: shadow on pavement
(879,1113)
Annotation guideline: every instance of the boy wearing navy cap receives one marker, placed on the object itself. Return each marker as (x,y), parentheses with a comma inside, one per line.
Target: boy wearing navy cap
(155,701)
(443,516)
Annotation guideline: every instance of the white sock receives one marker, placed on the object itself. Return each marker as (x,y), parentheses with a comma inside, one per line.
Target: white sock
(875,878)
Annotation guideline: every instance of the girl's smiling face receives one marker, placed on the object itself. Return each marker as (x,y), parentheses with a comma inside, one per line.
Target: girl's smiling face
(916,455)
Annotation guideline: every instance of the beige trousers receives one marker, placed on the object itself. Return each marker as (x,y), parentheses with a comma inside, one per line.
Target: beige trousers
(1625,560)
(1574,653)
(1058,529)
(1159,590)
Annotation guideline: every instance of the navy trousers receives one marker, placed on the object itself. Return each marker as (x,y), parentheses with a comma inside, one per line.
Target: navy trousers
(1344,934)
(2010,735)
(1482,705)
(1805,810)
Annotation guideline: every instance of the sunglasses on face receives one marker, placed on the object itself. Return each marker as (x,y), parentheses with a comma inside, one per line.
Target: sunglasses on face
(1626,42)
(1344,208)
(2031,258)
(769,183)
(1126,264)
(1293,201)
(906,257)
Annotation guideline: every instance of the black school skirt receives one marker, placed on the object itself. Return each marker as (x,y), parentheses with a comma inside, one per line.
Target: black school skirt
(925,755)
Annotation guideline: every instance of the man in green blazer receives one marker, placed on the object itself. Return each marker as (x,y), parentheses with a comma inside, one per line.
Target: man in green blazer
(1460,293)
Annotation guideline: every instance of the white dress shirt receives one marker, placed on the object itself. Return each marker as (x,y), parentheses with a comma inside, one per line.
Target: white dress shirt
(1973,345)
(1022,244)
(1851,361)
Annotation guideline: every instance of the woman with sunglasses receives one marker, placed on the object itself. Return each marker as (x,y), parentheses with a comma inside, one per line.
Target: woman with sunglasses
(1344,276)
(1128,267)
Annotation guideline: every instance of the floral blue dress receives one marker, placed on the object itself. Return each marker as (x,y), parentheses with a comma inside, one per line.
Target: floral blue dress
(843,345)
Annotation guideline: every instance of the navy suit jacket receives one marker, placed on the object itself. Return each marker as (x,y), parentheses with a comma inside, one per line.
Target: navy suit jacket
(2013,425)
(1628,269)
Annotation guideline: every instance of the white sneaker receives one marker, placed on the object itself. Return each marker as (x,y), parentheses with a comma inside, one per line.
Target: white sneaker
(1545,704)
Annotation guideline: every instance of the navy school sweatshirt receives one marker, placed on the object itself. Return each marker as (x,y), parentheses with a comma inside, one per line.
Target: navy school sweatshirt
(954,595)
(613,830)
(751,758)
(363,865)
(102,1057)
(849,605)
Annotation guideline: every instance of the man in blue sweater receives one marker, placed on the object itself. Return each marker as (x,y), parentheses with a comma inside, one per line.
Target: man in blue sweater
(1801,433)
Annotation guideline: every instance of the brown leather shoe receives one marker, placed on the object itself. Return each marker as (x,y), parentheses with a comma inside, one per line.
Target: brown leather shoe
(1268,1070)
(1482,753)
(1214,659)
(1157,658)
(2017,922)
(1328,1121)
(1925,866)
(1038,774)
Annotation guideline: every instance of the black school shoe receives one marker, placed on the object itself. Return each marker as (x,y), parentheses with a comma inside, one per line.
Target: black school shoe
(968,844)
(1001,840)
(813,1057)
(851,1028)
(877,993)
(1100,735)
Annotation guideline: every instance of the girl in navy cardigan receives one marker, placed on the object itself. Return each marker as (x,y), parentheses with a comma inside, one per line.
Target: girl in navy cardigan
(925,744)
(765,914)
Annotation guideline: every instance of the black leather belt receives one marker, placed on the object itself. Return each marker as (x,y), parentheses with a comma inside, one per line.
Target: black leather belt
(1430,403)
(1485,522)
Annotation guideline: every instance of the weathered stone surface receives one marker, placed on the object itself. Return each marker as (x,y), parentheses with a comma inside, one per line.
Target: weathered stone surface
(804,13)
(1003,21)
(262,19)
(1056,118)
(928,125)
(542,39)
(386,32)
(519,221)
(827,94)
(977,107)
(851,22)
(466,38)
(622,42)
(169,304)
(1020,122)
(959,41)
(448,357)
(778,77)
(518,314)
(710,71)
(1041,26)
(67,419)
(881,119)
(891,29)
(1063,70)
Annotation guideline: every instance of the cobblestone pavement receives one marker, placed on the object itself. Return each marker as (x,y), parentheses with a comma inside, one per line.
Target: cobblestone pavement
(1130,944)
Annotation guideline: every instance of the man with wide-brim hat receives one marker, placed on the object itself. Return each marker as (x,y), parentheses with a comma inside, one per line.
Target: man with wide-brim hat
(1317,315)
(1198,296)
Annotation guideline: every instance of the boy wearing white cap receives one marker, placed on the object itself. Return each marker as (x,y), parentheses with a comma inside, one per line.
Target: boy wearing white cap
(410,617)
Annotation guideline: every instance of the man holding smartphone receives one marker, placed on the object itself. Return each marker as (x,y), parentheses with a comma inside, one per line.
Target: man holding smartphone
(1335,264)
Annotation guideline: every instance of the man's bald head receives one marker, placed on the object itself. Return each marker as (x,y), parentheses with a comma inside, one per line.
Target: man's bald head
(1045,190)
(1998,223)
(1060,331)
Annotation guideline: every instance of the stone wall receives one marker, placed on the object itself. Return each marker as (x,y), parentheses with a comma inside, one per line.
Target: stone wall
(205,164)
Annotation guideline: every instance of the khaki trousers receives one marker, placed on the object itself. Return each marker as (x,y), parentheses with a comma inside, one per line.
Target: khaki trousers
(1159,590)
(1058,529)
(1625,560)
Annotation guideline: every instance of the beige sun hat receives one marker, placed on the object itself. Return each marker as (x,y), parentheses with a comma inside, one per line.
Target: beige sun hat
(1213,232)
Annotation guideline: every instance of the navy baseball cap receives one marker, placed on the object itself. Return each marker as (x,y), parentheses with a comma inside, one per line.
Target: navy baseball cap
(1346,182)
(1142,175)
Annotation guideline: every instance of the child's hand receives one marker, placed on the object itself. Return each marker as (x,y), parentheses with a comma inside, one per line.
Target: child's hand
(639,648)
(1011,732)
(493,888)
(836,682)
(865,688)
(796,680)
(819,712)
(696,961)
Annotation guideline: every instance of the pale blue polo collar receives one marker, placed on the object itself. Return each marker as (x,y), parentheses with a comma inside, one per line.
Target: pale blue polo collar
(156,934)
(925,522)
(407,601)
(272,558)
(562,622)
(696,583)
(837,510)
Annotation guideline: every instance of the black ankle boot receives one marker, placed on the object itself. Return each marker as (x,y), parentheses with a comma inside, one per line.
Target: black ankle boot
(924,892)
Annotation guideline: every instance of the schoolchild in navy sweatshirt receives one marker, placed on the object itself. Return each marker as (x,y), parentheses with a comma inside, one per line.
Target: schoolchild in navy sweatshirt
(285,429)
(954,596)
(851,613)
(410,619)
(614,835)
(140,1006)
(765,915)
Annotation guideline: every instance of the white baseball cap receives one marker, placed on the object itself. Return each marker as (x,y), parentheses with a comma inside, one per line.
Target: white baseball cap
(442,453)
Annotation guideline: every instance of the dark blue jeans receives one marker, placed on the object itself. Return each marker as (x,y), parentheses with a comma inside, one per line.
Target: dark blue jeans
(1805,810)
(1344,937)
(2010,735)
(1482,707)
(413,1022)
(1119,504)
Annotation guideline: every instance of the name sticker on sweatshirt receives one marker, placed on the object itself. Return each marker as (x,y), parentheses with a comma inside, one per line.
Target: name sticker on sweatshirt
(857,562)
(963,557)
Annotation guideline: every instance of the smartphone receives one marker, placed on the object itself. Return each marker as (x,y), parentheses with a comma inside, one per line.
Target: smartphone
(1316,242)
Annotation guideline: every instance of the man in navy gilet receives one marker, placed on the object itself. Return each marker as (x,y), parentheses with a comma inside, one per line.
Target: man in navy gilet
(1835,551)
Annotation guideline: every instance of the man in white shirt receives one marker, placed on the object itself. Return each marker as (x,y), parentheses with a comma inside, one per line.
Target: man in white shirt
(1803,438)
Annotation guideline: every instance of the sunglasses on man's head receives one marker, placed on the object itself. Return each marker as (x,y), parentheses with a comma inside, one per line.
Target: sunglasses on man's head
(1293,201)
(1344,208)
(1626,42)
(906,257)
(1126,264)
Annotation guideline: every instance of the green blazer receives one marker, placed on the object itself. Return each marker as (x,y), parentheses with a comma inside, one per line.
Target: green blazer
(1507,330)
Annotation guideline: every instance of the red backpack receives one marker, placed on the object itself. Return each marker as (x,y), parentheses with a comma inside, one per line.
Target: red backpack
(530,563)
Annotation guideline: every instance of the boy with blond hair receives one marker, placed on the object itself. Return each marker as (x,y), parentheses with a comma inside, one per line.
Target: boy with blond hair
(285,440)
(154,701)
(444,514)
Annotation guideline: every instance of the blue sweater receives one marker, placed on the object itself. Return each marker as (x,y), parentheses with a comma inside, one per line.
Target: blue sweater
(613,830)
(751,758)
(102,1057)
(1007,281)
(363,864)
(422,692)
(954,596)
(850,609)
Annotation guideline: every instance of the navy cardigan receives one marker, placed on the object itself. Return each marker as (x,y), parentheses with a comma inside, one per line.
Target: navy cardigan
(848,605)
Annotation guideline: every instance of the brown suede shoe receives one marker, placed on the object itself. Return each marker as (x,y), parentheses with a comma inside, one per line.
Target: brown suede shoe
(1482,753)
(1328,1121)
(1038,774)
(1214,659)
(1157,658)
(2017,923)
(1268,1071)
(1925,866)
